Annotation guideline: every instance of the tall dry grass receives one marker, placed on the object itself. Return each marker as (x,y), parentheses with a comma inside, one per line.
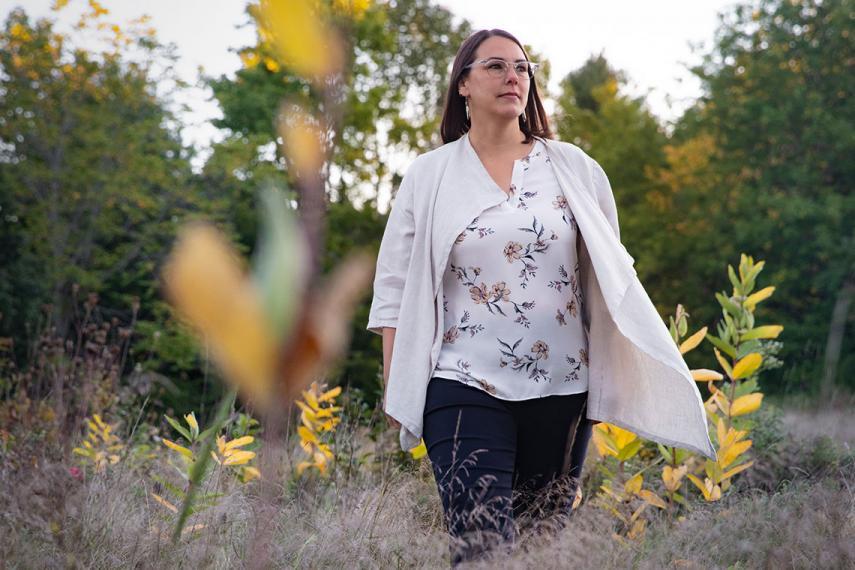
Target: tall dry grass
(796,510)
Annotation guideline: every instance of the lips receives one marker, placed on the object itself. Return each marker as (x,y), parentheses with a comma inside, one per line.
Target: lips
(510,95)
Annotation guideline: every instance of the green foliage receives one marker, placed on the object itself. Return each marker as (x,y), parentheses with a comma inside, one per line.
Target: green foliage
(776,104)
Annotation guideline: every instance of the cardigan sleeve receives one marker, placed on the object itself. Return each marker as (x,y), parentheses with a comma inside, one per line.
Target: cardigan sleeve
(393,259)
(606,200)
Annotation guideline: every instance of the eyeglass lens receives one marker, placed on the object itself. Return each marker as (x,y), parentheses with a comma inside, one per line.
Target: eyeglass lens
(499,67)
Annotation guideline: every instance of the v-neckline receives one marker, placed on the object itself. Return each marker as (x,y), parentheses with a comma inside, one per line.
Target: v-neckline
(508,195)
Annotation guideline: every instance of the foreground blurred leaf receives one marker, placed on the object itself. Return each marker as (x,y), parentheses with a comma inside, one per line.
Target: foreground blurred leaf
(280,265)
(302,40)
(205,283)
(323,331)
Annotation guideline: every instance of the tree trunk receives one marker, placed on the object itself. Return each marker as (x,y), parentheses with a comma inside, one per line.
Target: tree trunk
(836,331)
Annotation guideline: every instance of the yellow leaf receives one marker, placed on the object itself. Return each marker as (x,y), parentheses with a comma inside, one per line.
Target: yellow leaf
(633,486)
(302,40)
(250,473)
(724,364)
(239,457)
(710,407)
(325,449)
(164,502)
(673,477)
(311,399)
(747,365)
(180,449)
(737,469)
(746,404)
(710,491)
(721,432)
(603,440)
(652,498)
(732,452)
(307,411)
(307,435)
(767,331)
(622,437)
(722,402)
(751,301)
(330,394)
(302,466)
(191,529)
(194,425)
(239,442)
(327,425)
(205,283)
(704,375)
(637,529)
(693,341)
(419,451)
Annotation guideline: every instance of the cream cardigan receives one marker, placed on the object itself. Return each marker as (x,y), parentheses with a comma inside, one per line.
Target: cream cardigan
(638,379)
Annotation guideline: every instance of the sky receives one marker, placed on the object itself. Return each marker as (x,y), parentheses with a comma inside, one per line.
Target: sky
(650,41)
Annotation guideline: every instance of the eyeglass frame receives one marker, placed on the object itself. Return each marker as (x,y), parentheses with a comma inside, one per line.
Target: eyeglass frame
(530,75)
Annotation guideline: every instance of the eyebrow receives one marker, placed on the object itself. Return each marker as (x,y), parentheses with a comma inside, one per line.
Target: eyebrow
(503,59)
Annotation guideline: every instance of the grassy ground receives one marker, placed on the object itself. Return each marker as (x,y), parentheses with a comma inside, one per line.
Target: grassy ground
(795,509)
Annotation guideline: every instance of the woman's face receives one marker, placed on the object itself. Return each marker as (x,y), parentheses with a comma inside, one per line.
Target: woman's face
(504,96)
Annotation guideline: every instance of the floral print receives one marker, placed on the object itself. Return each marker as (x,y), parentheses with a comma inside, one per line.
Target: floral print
(572,307)
(560,203)
(512,309)
(529,363)
(492,296)
(464,375)
(462,327)
(472,228)
(515,251)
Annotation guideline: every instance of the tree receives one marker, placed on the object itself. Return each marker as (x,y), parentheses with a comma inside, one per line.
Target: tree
(93,178)
(777,105)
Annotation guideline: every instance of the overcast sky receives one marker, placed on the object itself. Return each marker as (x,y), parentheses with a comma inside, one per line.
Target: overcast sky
(650,41)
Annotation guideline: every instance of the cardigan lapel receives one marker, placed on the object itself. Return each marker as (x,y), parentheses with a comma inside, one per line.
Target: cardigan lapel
(461,196)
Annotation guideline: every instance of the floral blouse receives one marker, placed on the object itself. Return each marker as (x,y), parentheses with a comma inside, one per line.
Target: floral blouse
(512,298)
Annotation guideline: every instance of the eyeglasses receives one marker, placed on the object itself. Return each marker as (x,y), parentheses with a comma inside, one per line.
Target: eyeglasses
(499,67)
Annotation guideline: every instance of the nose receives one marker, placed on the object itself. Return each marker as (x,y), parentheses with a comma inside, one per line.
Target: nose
(513,73)
(510,70)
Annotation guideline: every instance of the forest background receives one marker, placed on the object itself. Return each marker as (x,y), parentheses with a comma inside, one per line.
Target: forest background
(94,179)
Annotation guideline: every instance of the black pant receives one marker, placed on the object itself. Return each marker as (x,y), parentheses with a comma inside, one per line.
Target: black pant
(494,459)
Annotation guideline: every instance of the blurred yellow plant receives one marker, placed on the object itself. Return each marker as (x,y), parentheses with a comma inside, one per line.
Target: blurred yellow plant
(318,417)
(101,447)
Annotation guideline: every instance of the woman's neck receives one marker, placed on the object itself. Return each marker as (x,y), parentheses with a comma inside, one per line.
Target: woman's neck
(496,137)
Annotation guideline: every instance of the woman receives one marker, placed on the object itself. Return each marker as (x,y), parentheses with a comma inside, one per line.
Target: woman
(521,317)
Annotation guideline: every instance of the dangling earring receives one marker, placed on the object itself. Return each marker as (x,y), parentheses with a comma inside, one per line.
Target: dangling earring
(523,117)
(467,109)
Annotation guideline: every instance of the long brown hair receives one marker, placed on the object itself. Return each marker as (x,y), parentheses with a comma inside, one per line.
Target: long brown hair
(454,122)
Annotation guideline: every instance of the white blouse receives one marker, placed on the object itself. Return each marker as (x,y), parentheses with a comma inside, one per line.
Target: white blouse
(512,296)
